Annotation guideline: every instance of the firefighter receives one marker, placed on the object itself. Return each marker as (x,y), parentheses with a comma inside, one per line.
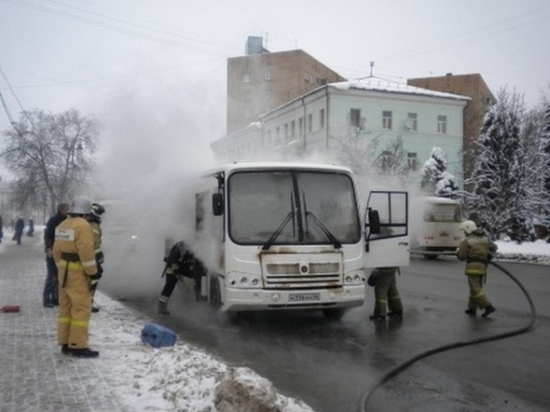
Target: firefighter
(385,293)
(180,262)
(73,252)
(476,249)
(94,219)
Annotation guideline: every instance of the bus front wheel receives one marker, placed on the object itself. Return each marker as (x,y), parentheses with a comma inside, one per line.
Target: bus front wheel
(334,314)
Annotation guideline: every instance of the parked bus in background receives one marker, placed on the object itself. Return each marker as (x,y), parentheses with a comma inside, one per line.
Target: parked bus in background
(435,226)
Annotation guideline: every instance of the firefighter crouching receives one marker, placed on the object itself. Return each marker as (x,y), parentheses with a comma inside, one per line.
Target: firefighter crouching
(180,263)
(73,252)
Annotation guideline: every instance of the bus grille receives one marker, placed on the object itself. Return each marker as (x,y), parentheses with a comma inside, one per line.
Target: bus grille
(296,275)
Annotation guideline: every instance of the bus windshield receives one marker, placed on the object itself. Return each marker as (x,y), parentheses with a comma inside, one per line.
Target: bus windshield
(292,207)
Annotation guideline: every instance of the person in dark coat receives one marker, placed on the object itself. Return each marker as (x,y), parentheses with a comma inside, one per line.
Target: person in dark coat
(30,231)
(19,227)
(50,295)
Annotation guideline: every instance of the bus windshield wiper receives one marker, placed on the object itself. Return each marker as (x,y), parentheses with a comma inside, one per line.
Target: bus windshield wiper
(277,232)
(337,244)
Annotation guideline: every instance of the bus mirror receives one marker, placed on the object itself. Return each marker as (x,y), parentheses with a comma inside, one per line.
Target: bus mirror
(374,222)
(217,204)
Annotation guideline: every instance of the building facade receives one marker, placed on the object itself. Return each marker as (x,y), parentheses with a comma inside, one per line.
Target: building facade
(357,113)
(481,99)
(260,81)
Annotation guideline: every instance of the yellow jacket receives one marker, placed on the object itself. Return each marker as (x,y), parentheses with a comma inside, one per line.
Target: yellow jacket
(75,236)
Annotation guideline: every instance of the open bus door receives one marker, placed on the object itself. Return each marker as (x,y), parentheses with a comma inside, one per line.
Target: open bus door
(387,229)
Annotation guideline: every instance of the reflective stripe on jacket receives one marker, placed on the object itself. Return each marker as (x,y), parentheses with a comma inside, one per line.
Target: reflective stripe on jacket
(476,249)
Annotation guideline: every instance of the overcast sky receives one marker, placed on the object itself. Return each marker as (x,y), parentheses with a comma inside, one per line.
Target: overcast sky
(60,54)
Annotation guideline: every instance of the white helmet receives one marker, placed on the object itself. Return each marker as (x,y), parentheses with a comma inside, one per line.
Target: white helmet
(80,205)
(468,226)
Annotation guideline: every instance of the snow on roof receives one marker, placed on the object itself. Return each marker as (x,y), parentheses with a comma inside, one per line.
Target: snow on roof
(390,86)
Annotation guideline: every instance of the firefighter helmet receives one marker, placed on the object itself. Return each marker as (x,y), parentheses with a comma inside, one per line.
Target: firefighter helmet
(468,226)
(80,205)
(98,209)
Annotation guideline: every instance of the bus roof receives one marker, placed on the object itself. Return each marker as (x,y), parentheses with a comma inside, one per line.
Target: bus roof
(260,166)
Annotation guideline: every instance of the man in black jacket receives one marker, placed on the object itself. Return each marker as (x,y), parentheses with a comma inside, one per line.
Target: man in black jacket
(50,294)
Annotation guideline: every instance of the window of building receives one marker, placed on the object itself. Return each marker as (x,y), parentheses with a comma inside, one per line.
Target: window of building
(355,117)
(267,74)
(268,94)
(412,161)
(246,77)
(387,120)
(322,118)
(412,122)
(292,129)
(441,124)
(246,96)
(301,126)
(309,122)
(286,131)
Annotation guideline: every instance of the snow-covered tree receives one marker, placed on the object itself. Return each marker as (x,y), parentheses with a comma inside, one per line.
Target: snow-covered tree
(545,168)
(435,179)
(501,192)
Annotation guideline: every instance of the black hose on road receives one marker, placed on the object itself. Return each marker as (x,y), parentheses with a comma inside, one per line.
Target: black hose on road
(401,367)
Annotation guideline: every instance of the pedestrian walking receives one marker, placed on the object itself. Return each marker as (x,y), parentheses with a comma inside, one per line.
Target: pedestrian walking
(386,294)
(30,231)
(73,251)
(477,250)
(94,219)
(180,263)
(50,294)
(18,229)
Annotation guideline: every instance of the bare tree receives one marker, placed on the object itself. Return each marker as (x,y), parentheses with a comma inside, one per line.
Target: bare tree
(50,155)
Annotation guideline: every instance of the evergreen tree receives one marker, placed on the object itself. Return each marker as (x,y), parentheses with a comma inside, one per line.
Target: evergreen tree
(545,168)
(500,194)
(434,176)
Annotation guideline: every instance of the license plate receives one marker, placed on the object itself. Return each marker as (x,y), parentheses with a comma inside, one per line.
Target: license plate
(304,297)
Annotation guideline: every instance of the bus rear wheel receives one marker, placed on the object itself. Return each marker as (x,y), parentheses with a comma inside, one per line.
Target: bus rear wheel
(215,293)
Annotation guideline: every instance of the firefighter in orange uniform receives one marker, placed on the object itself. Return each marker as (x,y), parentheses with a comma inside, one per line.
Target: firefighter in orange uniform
(74,255)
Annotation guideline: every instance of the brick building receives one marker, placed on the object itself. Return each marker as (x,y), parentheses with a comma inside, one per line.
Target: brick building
(260,81)
(473,86)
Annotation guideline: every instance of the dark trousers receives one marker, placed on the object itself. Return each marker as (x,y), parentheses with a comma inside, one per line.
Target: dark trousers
(51,285)
(169,286)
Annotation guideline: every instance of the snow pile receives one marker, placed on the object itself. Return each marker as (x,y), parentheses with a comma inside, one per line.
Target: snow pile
(178,378)
(529,252)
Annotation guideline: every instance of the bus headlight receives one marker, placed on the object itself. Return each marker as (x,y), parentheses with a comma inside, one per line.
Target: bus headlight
(354,278)
(244,280)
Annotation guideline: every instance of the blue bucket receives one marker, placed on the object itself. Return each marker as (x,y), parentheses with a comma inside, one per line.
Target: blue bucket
(157,336)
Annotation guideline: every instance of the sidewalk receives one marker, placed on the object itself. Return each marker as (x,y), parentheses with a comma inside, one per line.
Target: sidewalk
(127,376)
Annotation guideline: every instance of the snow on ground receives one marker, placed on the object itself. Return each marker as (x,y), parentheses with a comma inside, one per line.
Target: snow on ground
(178,378)
(184,377)
(529,252)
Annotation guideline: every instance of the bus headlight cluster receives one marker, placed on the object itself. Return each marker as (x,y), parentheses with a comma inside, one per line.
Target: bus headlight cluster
(244,280)
(354,278)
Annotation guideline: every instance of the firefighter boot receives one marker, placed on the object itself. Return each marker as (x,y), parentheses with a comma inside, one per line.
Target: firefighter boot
(163,308)
(488,310)
(84,353)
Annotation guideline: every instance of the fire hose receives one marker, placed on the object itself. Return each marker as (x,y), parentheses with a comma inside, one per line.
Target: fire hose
(404,365)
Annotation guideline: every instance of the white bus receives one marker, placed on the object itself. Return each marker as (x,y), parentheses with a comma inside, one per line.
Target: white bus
(286,236)
(435,226)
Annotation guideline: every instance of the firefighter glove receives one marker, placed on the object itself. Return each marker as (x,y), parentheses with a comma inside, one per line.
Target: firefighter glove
(94,279)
